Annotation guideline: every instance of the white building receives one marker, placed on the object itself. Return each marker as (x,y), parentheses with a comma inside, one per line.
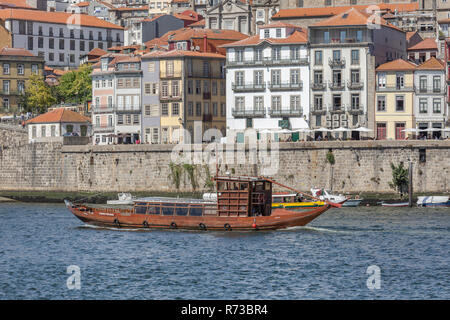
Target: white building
(268,81)
(59,37)
(430,107)
(345,50)
(55,124)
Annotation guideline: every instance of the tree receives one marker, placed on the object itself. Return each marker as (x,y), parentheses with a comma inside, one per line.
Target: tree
(400,180)
(38,96)
(76,86)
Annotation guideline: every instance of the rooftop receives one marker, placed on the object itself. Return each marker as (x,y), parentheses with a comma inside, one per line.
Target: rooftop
(6,51)
(60,115)
(427,44)
(397,65)
(432,64)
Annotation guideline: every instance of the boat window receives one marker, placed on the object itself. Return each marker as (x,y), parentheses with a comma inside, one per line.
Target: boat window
(167,211)
(181,211)
(153,210)
(195,211)
(141,208)
(259,186)
(267,185)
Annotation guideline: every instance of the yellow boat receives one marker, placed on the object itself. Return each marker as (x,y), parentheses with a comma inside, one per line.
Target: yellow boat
(292,201)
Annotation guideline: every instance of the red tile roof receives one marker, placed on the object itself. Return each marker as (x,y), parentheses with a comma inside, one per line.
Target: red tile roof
(60,115)
(353,17)
(6,51)
(56,17)
(187,53)
(432,64)
(331,11)
(296,37)
(397,65)
(427,44)
(15,4)
(96,52)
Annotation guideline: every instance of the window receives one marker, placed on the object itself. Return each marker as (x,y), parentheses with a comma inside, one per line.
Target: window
(120,119)
(206,108)
(400,81)
(355,76)
(175,109)
(51,43)
(164,109)
(436,84)
(423,108)
(381,131)
(336,55)
(190,110)
(175,89)
(355,101)
(399,133)
(20,69)
(258,54)
(276,102)
(214,109)
(21,86)
(436,105)
(164,88)
(198,109)
(206,69)
(258,76)
(295,76)
(30,43)
(6,86)
(318,77)
(40,42)
(278,33)
(399,103)
(337,78)
(276,53)
(295,102)
(72,45)
(318,59)
(318,99)
(61,44)
(239,55)
(355,56)
(239,78)
(135,119)
(295,53)
(276,77)
(381,103)
(239,103)
(198,86)
(214,88)
(266,33)
(423,83)
(82,46)
(6,68)
(382,80)
(43,131)
(258,103)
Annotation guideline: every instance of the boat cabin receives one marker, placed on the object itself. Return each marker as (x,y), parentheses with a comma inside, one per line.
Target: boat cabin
(236,197)
(287,198)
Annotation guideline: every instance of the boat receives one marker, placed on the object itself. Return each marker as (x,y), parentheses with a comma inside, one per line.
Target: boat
(433,201)
(352,202)
(324,194)
(243,203)
(398,204)
(122,198)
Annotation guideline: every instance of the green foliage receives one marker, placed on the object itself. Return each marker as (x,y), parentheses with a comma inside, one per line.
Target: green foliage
(38,95)
(330,158)
(190,170)
(209,183)
(400,180)
(175,174)
(76,86)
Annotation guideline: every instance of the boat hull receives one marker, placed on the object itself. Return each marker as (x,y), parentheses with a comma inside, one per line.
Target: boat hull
(352,203)
(125,218)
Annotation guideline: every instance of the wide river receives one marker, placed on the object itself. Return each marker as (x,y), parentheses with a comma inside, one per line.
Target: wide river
(353,253)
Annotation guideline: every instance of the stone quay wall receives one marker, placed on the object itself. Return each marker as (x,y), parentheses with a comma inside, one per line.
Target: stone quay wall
(359,166)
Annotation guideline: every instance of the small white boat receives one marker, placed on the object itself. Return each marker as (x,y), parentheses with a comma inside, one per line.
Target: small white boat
(433,201)
(398,204)
(324,194)
(123,198)
(352,202)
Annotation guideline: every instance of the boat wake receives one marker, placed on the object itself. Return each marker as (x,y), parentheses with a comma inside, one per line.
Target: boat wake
(314,229)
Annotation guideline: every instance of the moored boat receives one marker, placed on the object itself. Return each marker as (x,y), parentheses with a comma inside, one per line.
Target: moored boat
(398,204)
(243,203)
(122,198)
(352,202)
(433,201)
(324,194)
(293,201)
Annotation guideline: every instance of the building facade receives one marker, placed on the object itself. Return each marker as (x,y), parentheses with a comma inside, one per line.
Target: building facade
(52,36)
(268,81)
(395,100)
(230,15)
(16,67)
(116,99)
(430,105)
(346,50)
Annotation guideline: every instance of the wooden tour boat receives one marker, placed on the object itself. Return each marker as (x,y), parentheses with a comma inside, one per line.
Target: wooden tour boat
(243,203)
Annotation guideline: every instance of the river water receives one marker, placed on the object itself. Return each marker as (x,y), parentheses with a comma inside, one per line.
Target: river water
(328,259)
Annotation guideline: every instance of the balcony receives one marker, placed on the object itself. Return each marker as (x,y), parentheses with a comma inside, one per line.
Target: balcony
(316,86)
(248,113)
(248,87)
(394,88)
(281,86)
(337,109)
(269,61)
(291,112)
(128,109)
(355,85)
(11,92)
(98,128)
(102,108)
(429,90)
(318,111)
(170,97)
(336,63)
(336,86)
(356,110)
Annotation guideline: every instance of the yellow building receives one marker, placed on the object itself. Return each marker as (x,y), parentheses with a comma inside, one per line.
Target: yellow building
(16,66)
(394,99)
(192,96)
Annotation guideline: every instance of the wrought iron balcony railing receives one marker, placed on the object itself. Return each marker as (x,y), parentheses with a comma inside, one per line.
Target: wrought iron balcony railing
(355,85)
(248,113)
(286,112)
(285,85)
(248,87)
(336,63)
(318,86)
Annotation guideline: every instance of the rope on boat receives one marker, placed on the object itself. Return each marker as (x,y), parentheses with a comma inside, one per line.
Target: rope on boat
(337,205)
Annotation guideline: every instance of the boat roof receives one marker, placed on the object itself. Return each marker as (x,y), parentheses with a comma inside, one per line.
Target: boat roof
(240,178)
(173,200)
(281,195)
